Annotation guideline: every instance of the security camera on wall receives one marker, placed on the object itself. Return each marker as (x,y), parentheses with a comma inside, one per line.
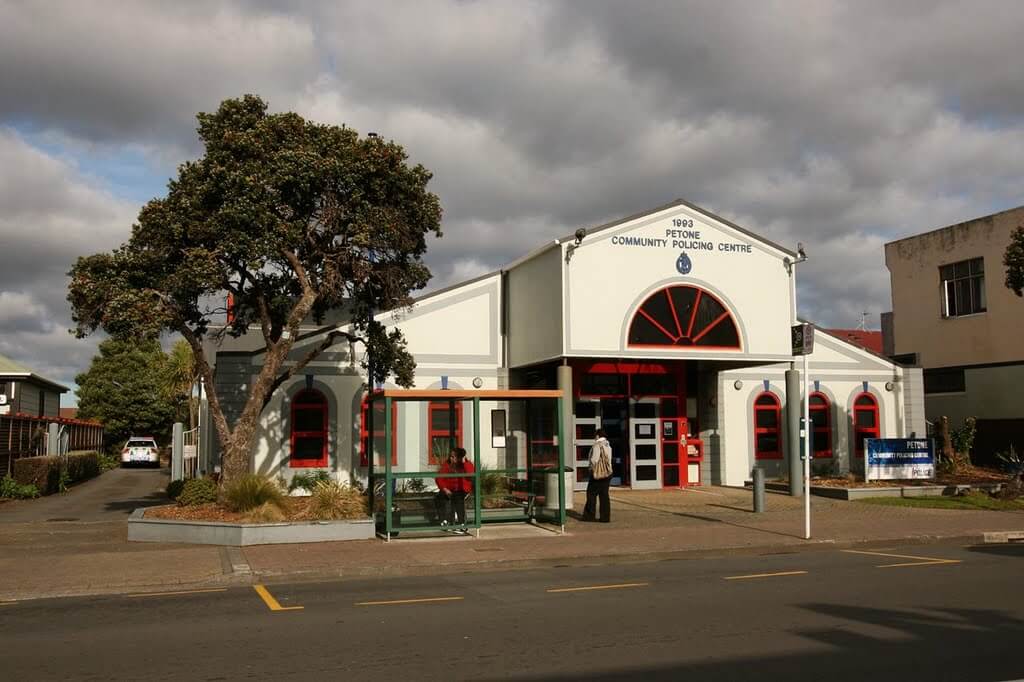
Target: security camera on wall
(580,234)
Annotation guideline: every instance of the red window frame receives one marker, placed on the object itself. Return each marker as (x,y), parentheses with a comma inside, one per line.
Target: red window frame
(378,431)
(824,406)
(681,328)
(432,433)
(776,409)
(862,432)
(321,407)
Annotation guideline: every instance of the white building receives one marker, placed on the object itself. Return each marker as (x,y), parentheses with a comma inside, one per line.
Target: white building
(670,329)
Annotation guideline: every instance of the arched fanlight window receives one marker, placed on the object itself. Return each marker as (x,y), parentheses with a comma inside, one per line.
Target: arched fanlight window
(683,315)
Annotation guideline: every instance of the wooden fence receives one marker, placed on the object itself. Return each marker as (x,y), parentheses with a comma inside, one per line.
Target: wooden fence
(25,436)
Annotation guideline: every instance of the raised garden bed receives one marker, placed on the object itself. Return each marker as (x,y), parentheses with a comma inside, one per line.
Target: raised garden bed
(845,489)
(145,526)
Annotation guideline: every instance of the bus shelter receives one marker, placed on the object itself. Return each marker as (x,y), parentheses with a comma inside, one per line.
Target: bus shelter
(514,439)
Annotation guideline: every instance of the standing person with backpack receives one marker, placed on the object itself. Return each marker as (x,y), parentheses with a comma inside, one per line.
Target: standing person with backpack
(600,479)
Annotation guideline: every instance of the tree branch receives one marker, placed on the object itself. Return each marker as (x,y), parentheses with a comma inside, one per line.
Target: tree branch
(327,342)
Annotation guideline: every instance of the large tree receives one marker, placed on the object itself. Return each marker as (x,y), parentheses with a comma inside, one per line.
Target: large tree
(123,388)
(291,218)
(1013,259)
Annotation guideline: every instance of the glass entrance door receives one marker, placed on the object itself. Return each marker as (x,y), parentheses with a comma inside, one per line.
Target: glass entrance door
(645,443)
(615,421)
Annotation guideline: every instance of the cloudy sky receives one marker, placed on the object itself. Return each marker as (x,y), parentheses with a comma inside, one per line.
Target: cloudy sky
(839,124)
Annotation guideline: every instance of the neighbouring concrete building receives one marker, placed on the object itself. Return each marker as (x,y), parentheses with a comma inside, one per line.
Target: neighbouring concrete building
(670,329)
(953,315)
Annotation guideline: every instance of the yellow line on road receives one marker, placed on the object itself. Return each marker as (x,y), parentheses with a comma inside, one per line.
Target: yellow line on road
(7,603)
(171,594)
(272,603)
(408,601)
(763,575)
(598,587)
(915,560)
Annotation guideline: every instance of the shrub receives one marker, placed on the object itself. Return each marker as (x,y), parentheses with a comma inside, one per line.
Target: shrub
(309,481)
(251,491)
(268,512)
(332,500)
(17,491)
(174,489)
(198,491)
(49,475)
(963,438)
(82,466)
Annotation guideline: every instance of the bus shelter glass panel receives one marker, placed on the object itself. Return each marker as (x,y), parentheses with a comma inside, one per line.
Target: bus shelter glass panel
(509,474)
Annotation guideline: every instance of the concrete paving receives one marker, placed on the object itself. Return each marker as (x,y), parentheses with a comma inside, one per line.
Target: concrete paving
(904,612)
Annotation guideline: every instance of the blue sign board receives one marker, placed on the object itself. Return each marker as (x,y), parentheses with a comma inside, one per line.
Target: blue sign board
(895,458)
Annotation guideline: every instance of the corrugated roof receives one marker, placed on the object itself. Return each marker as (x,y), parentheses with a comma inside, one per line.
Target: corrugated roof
(8,366)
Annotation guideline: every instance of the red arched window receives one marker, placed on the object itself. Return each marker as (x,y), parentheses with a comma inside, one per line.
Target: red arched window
(865,421)
(308,429)
(821,420)
(444,429)
(767,427)
(683,315)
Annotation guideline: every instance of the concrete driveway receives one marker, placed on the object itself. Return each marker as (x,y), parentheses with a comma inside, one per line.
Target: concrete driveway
(110,497)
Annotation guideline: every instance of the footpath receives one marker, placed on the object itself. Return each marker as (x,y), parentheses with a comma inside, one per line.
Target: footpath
(64,558)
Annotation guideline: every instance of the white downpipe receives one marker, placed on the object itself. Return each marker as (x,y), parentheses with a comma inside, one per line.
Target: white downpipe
(808,434)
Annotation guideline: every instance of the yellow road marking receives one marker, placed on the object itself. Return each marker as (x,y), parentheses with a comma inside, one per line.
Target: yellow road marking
(170,594)
(916,560)
(272,603)
(763,575)
(598,587)
(7,603)
(408,601)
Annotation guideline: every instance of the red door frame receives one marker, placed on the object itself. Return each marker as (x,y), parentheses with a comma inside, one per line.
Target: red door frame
(826,407)
(860,432)
(630,369)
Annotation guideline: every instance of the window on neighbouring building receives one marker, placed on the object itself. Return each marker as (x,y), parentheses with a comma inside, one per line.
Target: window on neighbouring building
(946,380)
(767,427)
(444,429)
(308,429)
(821,419)
(963,287)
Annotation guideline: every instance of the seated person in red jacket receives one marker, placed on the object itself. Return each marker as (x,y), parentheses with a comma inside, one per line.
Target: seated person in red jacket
(451,492)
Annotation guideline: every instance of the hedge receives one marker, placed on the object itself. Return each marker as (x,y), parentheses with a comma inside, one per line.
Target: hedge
(44,472)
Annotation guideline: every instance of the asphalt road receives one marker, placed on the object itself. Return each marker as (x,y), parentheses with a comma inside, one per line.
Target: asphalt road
(920,612)
(110,497)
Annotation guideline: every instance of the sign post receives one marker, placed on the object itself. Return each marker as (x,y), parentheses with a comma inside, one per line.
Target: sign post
(802,338)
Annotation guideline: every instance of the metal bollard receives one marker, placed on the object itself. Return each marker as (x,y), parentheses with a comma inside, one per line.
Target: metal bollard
(758,490)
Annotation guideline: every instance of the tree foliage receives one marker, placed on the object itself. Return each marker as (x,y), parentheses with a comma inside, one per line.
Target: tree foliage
(1013,259)
(179,379)
(290,217)
(123,388)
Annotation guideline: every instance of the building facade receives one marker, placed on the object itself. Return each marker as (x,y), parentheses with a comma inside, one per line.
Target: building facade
(24,392)
(953,315)
(669,329)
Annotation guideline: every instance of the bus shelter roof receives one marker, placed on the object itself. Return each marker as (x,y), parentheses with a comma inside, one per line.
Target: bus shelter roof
(444,394)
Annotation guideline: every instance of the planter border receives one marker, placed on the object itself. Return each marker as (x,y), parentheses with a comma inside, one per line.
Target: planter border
(895,491)
(141,529)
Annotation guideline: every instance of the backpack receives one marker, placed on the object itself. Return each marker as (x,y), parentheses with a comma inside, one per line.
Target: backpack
(603,467)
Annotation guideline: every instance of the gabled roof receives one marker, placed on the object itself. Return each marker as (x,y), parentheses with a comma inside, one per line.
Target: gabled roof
(9,369)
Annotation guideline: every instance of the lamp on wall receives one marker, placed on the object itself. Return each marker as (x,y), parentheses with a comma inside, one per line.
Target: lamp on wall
(889,386)
(737,384)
